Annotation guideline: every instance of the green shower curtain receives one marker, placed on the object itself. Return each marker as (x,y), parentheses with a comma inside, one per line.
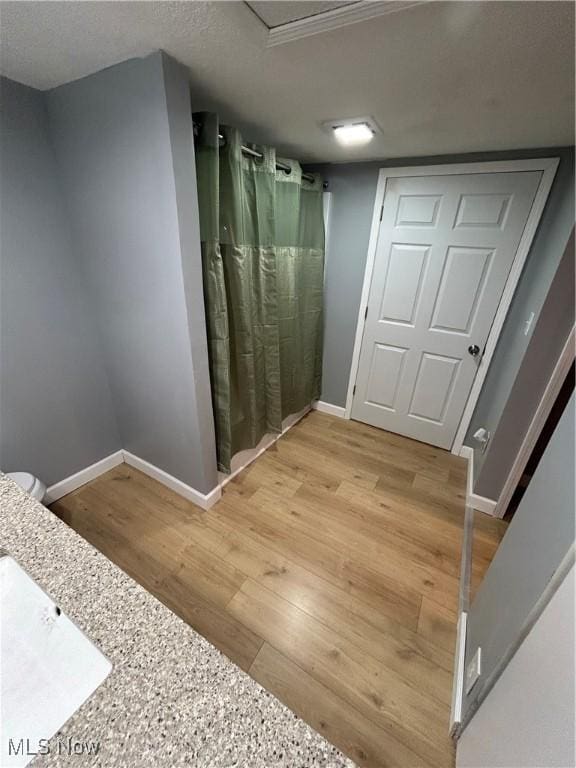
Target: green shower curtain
(262,233)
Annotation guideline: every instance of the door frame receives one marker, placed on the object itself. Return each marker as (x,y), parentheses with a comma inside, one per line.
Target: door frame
(548,166)
(563,365)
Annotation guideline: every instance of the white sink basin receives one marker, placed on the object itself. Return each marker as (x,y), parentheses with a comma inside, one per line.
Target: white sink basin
(48,667)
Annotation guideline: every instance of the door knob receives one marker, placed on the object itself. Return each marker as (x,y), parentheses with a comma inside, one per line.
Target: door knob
(474,350)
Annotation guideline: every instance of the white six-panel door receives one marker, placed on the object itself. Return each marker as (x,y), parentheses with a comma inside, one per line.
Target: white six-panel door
(445,247)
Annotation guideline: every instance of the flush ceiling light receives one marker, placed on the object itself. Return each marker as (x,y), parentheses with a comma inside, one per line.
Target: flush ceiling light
(351,132)
(354,134)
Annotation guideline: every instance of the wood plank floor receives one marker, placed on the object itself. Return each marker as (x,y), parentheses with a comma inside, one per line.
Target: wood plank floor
(328,571)
(487,533)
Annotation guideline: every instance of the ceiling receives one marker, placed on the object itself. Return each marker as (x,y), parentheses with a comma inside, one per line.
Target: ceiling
(438,77)
(279,12)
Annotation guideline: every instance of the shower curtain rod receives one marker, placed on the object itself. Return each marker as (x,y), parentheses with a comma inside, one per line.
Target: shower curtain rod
(279,166)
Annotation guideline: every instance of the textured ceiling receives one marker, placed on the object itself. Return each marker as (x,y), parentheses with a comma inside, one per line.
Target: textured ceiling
(438,78)
(281,11)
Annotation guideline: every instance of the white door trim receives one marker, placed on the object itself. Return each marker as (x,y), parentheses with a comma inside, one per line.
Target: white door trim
(548,166)
(542,412)
(327,214)
(369,269)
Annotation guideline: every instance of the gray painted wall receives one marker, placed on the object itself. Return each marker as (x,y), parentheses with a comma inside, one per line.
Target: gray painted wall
(547,250)
(548,337)
(56,414)
(118,136)
(354,187)
(527,720)
(537,540)
(184,167)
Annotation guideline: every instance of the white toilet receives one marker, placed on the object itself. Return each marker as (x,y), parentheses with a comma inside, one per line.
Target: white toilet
(29,483)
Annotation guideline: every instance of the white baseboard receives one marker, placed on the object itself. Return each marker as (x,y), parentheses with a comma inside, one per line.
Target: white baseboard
(200,499)
(458,681)
(333,410)
(240,462)
(480,503)
(69,484)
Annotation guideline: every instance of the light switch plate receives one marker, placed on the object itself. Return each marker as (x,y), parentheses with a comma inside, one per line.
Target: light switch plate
(473,670)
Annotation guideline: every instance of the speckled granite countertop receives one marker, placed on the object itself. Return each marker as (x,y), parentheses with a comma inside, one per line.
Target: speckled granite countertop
(171,699)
